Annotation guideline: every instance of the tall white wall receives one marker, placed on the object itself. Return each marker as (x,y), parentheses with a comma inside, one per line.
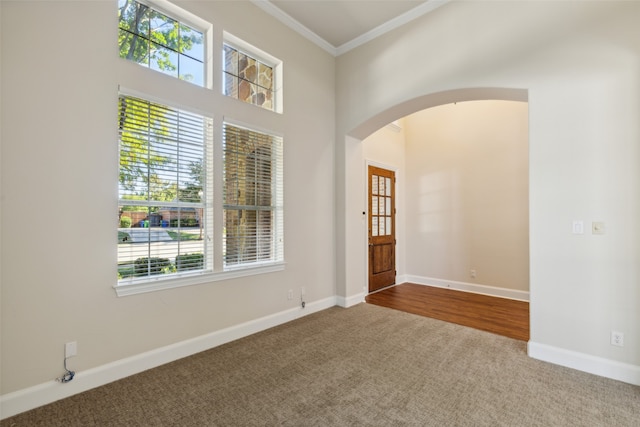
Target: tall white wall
(580,64)
(60,77)
(468,194)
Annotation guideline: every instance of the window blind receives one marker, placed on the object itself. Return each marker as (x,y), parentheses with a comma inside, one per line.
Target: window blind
(253,197)
(162,190)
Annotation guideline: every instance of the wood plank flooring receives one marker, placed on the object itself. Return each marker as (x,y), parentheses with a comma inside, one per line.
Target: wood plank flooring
(498,315)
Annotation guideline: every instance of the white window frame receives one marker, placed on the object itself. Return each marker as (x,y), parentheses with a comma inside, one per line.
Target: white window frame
(262,56)
(170,92)
(276,238)
(217,272)
(207,195)
(185,17)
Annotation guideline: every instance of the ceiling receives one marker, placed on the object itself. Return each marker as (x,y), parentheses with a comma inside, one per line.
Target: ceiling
(341,25)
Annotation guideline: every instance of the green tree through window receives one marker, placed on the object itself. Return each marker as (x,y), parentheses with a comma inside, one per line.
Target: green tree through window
(161,192)
(155,40)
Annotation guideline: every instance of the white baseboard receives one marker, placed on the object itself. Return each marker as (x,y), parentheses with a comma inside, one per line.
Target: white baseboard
(467,287)
(42,394)
(350,301)
(584,362)
(402,278)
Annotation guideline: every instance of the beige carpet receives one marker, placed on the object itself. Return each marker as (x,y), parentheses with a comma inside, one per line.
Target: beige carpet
(362,366)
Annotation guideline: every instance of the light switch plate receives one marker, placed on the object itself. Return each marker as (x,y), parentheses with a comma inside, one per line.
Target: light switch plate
(578,227)
(70,349)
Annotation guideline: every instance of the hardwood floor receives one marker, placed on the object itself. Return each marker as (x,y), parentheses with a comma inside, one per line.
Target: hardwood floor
(498,315)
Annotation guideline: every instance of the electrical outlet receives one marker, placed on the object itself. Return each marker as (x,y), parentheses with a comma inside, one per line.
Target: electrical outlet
(290,294)
(617,338)
(472,273)
(70,349)
(597,227)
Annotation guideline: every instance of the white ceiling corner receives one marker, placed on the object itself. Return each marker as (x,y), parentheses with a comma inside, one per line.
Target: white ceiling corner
(337,26)
(294,24)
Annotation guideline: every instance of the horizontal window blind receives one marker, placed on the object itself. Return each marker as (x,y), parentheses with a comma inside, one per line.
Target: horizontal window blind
(253,197)
(162,190)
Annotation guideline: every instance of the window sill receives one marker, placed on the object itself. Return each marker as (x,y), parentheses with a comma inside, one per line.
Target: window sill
(194,279)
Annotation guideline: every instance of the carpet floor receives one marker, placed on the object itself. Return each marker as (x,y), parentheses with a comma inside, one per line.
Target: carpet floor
(361,366)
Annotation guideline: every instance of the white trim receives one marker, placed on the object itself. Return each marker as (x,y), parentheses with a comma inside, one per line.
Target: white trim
(296,26)
(392,24)
(42,394)
(600,366)
(185,17)
(166,102)
(394,126)
(249,49)
(402,278)
(196,279)
(179,14)
(380,165)
(251,127)
(347,302)
(468,287)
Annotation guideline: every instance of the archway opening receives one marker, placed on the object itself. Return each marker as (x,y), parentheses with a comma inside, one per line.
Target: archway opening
(462,188)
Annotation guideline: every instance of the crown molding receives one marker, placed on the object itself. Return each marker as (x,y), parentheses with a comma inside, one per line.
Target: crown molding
(392,24)
(384,28)
(290,22)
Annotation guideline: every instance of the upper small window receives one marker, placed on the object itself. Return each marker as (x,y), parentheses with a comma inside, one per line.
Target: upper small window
(251,75)
(160,42)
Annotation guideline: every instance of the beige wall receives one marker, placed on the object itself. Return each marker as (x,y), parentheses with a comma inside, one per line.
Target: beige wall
(467,193)
(582,77)
(59,148)
(60,77)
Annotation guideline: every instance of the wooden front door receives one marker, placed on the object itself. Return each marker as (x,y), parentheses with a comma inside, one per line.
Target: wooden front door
(382,226)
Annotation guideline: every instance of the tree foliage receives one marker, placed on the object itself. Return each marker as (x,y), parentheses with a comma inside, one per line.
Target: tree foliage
(137,161)
(150,168)
(155,40)
(152,39)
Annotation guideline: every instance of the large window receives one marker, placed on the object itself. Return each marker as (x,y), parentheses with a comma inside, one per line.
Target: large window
(253,217)
(172,231)
(162,193)
(153,39)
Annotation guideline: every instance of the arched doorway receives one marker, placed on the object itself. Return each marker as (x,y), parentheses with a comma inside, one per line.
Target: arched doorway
(465,214)
(354,231)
